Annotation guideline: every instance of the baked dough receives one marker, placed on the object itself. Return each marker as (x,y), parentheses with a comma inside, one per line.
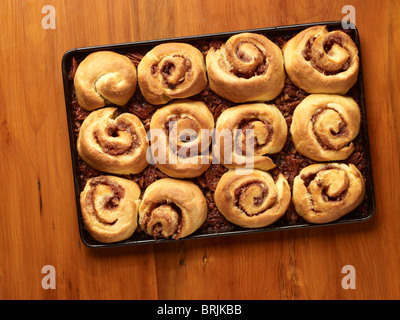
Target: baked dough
(324,126)
(172,208)
(246,133)
(319,61)
(109,207)
(104,77)
(171,71)
(113,142)
(248,67)
(324,193)
(182,132)
(252,198)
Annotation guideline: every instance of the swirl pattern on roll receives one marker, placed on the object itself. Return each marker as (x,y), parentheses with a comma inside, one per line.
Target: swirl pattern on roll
(113,142)
(324,126)
(258,127)
(109,207)
(325,192)
(171,71)
(252,198)
(184,129)
(103,78)
(248,67)
(319,61)
(172,208)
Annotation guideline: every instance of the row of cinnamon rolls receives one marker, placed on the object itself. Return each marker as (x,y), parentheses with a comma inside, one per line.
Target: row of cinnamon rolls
(112,209)
(183,140)
(247,67)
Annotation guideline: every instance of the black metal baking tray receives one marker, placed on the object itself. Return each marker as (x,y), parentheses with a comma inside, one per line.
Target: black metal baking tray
(285,31)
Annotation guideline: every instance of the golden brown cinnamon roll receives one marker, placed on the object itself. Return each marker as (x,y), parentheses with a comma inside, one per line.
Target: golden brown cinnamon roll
(109,207)
(112,142)
(319,61)
(170,71)
(172,208)
(246,133)
(325,192)
(252,198)
(181,135)
(104,77)
(248,67)
(324,126)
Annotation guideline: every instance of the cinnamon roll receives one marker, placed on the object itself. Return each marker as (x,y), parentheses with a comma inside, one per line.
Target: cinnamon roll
(324,126)
(325,192)
(172,208)
(246,133)
(170,71)
(252,198)
(113,142)
(248,67)
(109,207)
(319,61)
(104,77)
(181,134)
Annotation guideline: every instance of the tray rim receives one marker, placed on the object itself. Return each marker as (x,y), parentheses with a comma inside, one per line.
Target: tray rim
(370,190)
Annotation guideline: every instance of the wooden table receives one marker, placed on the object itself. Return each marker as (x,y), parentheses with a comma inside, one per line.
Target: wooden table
(37,205)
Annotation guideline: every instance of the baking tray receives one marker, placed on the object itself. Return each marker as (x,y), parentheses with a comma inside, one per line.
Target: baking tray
(358,215)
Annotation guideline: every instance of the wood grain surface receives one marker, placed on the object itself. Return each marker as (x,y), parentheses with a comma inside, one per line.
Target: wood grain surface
(37,206)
